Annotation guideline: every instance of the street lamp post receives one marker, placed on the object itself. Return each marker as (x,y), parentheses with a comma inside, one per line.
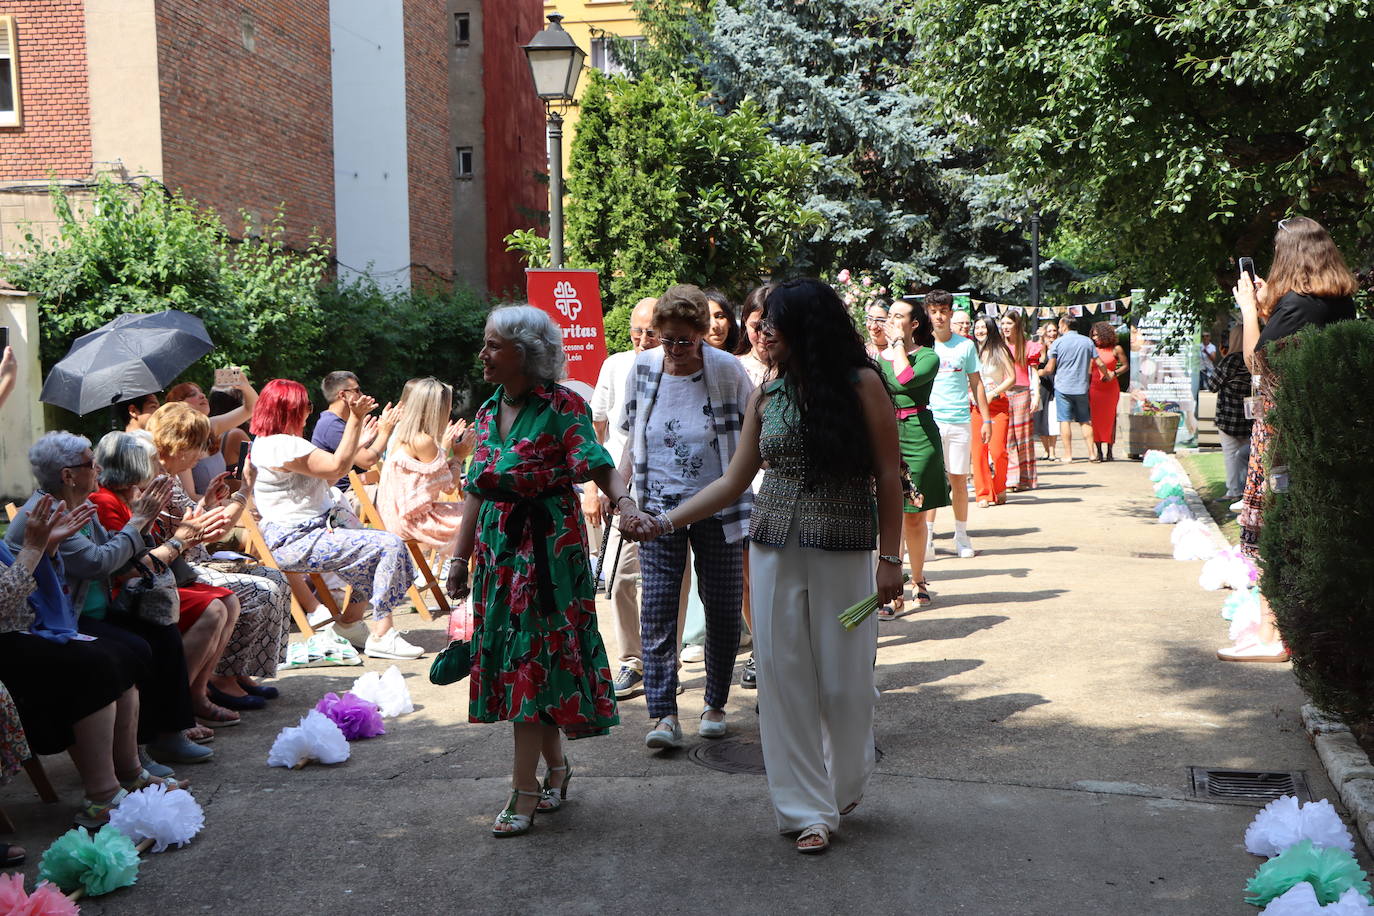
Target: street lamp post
(1035,259)
(555,64)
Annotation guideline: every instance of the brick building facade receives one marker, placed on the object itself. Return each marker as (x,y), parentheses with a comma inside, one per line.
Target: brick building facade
(239,107)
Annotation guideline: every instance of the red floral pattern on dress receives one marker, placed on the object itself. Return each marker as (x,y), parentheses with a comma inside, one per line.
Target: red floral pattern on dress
(528,666)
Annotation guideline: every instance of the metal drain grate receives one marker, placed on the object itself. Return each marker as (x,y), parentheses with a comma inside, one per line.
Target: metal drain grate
(1247,785)
(742,754)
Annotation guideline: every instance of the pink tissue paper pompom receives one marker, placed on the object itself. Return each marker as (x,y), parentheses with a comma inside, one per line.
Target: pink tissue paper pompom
(356,717)
(47,900)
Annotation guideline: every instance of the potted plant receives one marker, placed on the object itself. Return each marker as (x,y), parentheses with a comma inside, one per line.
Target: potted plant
(1154,427)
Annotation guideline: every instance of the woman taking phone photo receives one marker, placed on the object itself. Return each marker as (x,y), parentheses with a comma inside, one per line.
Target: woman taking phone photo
(1309,284)
(831,494)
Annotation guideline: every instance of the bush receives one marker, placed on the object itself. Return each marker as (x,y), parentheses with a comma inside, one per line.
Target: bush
(389,336)
(617,322)
(1318,568)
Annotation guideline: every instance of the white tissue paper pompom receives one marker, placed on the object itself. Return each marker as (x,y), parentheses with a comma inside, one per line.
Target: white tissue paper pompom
(1175,513)
(153,813)
(388,691)
(1301,900)
(1192,541)
(316,738)
(1153,457)
(1284,822)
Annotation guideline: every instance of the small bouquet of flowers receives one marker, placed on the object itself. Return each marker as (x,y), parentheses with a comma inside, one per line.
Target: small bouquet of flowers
(852,617)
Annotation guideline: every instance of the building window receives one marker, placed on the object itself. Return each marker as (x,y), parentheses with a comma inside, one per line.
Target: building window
(463,162)
(462,29)
(603,55)
(10,115)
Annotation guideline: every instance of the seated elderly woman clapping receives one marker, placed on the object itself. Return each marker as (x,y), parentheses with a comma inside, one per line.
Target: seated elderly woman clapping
(253,641)
(74,694)
(87,559)
(307,530)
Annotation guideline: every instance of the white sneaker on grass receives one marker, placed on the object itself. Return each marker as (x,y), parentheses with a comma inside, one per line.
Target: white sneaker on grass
(391,645)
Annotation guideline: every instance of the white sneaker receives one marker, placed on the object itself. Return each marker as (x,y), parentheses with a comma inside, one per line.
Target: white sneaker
(319,617)
(964,547)
(930,544)
(693,653)
(1237,506)
(391,645)
(356,632)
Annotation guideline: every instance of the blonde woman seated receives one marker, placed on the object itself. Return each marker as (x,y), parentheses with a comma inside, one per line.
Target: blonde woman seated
(424,461)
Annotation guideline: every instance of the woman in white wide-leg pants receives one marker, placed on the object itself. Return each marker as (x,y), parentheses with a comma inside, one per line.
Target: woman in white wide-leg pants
(831,493)
(816,689)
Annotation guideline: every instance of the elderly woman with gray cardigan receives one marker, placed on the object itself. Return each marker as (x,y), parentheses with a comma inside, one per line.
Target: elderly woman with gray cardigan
(684,408)
(65,468)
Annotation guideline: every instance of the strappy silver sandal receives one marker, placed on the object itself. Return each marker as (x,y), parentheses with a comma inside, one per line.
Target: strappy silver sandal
(516,824)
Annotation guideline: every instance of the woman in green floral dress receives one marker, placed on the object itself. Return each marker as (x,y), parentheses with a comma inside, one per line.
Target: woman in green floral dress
(538,659)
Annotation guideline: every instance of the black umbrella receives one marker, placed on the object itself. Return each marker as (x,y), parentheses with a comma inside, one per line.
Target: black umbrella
(131,356)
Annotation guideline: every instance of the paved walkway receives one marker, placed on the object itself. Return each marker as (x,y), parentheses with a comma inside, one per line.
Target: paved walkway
(1037,723)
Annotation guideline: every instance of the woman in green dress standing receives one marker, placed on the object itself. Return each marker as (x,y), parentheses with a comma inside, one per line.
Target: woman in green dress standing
(538,660)
(909,367)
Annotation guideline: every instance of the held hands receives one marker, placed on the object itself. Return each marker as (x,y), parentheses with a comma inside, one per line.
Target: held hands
(636,525)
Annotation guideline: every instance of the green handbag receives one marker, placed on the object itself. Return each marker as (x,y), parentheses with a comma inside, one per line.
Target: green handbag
(452,664)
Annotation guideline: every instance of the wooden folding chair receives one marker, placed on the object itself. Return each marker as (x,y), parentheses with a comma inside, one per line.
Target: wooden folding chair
(257,546)
(368,514)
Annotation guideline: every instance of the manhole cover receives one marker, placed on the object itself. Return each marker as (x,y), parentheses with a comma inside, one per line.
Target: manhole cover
(1247,785)
(740,754)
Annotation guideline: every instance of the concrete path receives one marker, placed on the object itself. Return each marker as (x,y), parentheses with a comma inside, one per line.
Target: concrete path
(1037,723)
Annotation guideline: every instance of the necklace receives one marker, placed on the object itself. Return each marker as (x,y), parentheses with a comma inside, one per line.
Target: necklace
(513,402)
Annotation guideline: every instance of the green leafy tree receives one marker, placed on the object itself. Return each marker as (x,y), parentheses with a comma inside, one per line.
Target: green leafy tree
(665,190)
(1171,134)
(142,249)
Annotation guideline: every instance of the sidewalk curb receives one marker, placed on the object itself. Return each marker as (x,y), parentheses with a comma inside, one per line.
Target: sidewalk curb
(1347,766)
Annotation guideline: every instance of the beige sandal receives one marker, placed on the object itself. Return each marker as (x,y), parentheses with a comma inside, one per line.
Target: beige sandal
(815,831)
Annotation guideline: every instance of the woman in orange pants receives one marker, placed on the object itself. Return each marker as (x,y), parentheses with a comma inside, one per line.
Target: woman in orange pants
(998,373)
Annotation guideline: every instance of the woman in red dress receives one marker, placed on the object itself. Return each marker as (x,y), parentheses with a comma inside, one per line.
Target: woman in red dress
(1105,390)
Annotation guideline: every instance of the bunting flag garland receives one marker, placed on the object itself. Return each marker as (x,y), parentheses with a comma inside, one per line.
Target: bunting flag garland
(1107,307)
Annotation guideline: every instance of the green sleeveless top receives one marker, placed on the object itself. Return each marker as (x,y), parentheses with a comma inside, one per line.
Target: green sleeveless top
(833,516)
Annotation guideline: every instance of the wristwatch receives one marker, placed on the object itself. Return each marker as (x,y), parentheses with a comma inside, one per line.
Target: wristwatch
(886,558)
(176,544)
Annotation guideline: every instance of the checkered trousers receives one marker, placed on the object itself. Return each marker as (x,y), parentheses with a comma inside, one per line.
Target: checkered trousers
(720,582)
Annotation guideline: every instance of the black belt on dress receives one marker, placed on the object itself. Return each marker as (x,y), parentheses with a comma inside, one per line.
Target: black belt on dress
(530,515)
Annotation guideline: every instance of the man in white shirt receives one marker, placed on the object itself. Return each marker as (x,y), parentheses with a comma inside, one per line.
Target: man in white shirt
(608,409)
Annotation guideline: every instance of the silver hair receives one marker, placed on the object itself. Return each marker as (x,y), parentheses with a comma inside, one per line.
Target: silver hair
(124,460)
(535,335)
(53,452)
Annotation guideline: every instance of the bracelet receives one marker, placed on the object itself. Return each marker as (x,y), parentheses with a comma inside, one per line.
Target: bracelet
(626,496)
(665,523)
(240,498)
(176,544)
(886,558)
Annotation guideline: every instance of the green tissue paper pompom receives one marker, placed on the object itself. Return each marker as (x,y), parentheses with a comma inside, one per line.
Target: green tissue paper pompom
(100,864)
(1330,871)
(62,863)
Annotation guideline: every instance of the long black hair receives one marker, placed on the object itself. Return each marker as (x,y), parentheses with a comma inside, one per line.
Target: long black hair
(752,303)
(824,356)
